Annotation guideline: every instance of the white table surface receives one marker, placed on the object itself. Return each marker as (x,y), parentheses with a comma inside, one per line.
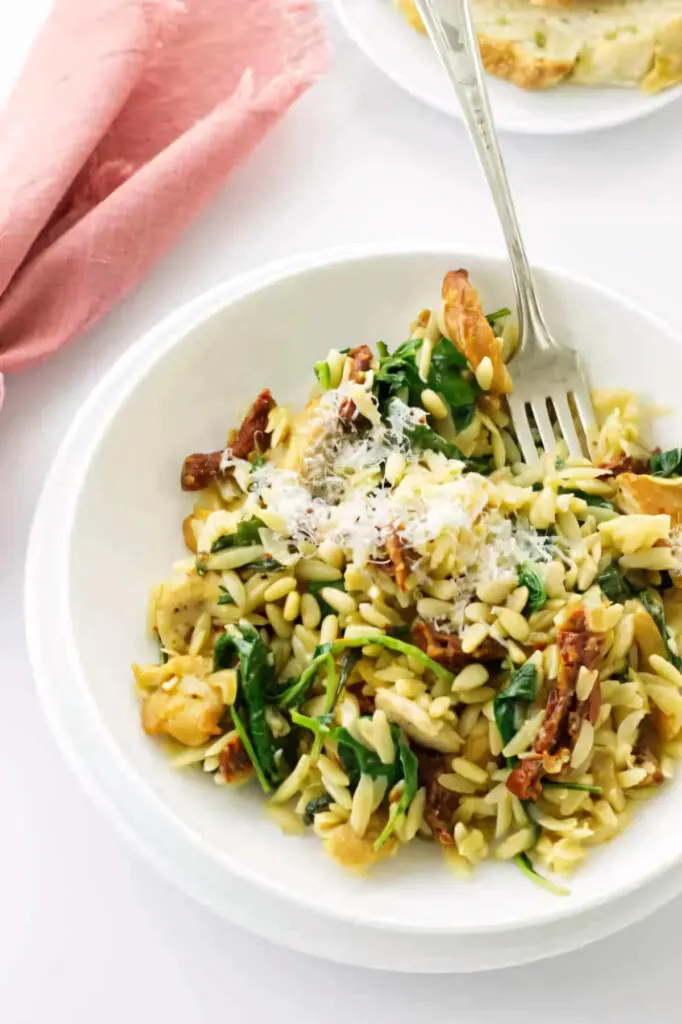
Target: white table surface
(87,931)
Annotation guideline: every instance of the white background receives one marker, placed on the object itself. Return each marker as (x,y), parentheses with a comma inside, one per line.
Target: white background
(87,931)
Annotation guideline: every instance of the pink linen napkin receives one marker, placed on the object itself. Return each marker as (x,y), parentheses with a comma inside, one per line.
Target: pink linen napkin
(127,118)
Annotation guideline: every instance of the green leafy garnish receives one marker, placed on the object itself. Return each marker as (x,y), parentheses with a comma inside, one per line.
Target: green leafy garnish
(297,691)
(313,807)
(667,463)
(654,606)
(613,585)
(245,535)
(226,599)
(410,769)
(445,378)
(258,463)
(323,374)
(316,586)
(250,750)
(507,704)
(421,436)
(357,759)
(524,862)
(499,314)
(594,500)
(264,564)
(559,463)
(256,678)
(537,595)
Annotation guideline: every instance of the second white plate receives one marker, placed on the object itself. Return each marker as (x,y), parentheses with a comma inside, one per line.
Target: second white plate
(407,58)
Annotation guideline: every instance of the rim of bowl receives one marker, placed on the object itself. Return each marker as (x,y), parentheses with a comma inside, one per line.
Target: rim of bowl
(116,385)
(516,126)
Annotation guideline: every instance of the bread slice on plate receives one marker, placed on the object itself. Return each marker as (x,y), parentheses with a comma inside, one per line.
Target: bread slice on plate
(538,43)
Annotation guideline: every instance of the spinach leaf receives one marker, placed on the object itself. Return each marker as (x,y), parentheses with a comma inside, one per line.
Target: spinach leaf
(256,678)
(297,691)
(499,314)
(654,606)
(410,770)
(667,463)
(613,585)
(357,759)
(226,599)
(313,807)
(537,595)
(250,751)
(258,463)
(245,535)
(559,463)
(424,437)
(445,378)
(323,375)
(522,689)
(398,373)
(264,564)
(524,862)
(316,586)
(594,500)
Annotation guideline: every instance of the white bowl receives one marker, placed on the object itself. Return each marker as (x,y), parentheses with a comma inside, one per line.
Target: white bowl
(108,526)
(406,57)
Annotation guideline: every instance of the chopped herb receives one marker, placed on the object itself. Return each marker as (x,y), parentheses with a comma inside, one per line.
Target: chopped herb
(313,807)
(537,595)
(594,500)
(540,40)
(163,654)
(499,314)
(297,691)
(344,351)
(250,751)
(258,463)
(316,586)
(446,379)
(507,704)
(410,769)
(559,463)
(226,599)
(424,437)
(654,606)
(524,862)
(667,463)
(256,678)
(264,564)
(357,759)
(613,585)
(323,375)
(246,534)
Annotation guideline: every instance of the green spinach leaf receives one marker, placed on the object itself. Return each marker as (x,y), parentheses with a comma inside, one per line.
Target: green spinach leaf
(613,584)
(654,606)
(499,314)
(316,586)
(537,595)
(264,564)
(256,678)
(323,375)
(594,500)
(667,463)
(506,705)
(410,771)
(445,378)
(313,807)
(245,535)
(524,862)
(357,759)
(423,437)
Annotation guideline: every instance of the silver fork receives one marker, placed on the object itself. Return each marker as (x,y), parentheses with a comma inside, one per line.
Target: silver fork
(543,370)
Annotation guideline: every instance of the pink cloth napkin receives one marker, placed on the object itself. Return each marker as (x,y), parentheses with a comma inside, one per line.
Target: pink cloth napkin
(128,117)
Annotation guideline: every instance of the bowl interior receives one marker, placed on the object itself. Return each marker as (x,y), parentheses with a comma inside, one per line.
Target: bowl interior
(407,58)
(186,383)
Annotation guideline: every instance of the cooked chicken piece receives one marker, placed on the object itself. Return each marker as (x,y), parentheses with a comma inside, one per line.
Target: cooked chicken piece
(650,495)
(180,603)
(348,850)
(417,723)
(234,764)
(469,330)
(190,712)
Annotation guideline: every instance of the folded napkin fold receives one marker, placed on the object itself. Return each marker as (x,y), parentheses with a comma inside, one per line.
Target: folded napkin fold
(127,118)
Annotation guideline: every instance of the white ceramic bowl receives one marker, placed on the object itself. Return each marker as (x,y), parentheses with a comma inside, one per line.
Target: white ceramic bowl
(407,58)
(108,526)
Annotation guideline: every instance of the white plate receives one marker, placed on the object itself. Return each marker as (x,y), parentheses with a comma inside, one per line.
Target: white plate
(108,525)
(407,58)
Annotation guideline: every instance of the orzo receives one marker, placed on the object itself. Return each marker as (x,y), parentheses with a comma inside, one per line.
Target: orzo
(401,632)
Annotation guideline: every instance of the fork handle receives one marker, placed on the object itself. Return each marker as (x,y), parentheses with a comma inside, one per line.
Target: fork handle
(456,44)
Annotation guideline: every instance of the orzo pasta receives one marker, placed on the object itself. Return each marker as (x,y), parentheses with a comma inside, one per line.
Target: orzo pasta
(400,631)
